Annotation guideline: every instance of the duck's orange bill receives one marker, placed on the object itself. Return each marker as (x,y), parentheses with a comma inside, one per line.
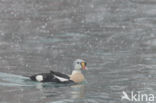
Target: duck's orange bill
(83,65)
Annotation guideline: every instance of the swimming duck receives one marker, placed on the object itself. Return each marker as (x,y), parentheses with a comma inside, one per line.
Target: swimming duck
(75,77)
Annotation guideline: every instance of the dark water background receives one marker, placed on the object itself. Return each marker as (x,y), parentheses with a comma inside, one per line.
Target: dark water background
(116,37)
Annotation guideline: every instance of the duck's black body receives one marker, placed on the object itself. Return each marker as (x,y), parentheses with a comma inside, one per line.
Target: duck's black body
(51,77)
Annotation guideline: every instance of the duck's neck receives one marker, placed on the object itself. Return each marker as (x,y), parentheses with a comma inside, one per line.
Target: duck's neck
(76,71)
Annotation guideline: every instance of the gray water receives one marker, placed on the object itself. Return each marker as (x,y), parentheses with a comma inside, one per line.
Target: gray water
(116,37)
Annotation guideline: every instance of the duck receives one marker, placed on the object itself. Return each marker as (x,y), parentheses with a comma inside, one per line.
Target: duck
(57,77)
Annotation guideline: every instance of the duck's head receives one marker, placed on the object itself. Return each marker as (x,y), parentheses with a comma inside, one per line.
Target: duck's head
(80,64)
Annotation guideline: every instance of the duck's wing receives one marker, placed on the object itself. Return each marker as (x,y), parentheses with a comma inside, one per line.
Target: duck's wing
(60,74)
(61,77)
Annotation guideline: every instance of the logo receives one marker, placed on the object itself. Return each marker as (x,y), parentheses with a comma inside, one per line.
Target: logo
(138,97)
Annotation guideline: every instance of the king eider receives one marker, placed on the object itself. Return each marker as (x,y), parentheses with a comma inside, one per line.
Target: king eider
(52,76)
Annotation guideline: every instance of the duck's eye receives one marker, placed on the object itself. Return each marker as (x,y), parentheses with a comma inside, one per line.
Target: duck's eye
(78,62)
(85,64)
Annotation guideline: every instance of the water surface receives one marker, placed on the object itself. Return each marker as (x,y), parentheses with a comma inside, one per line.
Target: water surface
(115,37)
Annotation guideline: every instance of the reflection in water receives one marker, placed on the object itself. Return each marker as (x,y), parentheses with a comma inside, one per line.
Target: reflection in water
(78,91)
(52,90)
(77,95)
(39,86)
